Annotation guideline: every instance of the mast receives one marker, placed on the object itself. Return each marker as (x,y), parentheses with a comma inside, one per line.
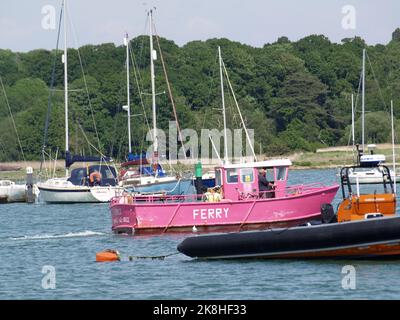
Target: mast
(128,99)
(65,60)
(352,119)
(363,102)
(153,93)
(226,160)
(394,158)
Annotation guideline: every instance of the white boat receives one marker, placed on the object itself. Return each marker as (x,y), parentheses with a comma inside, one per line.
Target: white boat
(95,183)
(369,175)
(72,190)
(12,192)
(368,168)
(134,173)
(132,180)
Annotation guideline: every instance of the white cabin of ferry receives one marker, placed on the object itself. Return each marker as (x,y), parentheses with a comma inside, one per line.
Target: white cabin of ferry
(238,180)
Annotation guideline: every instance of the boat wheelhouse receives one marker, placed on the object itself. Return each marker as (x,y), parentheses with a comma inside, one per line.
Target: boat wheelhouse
(240,181)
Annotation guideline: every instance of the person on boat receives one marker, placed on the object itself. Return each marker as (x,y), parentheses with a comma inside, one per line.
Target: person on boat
(213,195)
(264,186)
(95,178)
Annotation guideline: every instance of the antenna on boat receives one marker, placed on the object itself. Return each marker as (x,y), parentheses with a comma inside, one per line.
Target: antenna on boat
(226,160)
(363,102)
(65,61)
(128,106)
(352,126)
(394,159)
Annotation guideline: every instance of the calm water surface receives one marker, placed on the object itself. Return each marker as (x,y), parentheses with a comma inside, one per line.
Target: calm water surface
(67,237)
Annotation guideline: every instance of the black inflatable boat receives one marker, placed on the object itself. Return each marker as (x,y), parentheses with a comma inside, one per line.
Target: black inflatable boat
(370,238)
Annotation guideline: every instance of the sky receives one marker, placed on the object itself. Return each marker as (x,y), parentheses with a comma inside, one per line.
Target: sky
(26,24)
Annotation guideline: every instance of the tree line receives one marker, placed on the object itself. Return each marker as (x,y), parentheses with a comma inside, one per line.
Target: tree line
(295,95)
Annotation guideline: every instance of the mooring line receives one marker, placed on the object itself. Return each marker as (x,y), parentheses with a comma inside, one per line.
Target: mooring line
(153,257)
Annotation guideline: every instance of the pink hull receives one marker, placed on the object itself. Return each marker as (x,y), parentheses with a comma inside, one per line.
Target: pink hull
(157,217)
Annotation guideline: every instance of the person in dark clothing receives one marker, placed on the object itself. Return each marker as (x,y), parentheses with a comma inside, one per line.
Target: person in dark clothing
(264,185)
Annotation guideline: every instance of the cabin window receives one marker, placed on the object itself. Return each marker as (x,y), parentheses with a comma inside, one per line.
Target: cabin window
(281,173)
(107,173)
(247,175)
(232,176)
(218,181)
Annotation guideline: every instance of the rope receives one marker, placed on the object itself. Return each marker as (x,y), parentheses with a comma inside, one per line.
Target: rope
(355,103)
(84,80)
(376,81)
(240,114)
(114,141)
(355,108)
(2,147)
(145,31)
(170,93)
(90,144)
(210,89)
(131,258)
(52,89)
(12,120)
(137,78)
(274,231)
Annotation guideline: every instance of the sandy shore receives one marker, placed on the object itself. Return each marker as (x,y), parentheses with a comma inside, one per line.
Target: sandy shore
(332,157)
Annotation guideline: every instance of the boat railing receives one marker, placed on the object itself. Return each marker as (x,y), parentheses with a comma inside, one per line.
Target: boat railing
(303,188)
(289,191)
(130,198)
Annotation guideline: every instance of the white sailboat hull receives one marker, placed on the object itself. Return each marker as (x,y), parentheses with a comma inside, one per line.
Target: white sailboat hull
(145,180)
(78,195)
(62,191)
(105,194)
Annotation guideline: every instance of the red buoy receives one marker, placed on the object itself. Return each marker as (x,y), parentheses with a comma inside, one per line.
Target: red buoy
(108,255)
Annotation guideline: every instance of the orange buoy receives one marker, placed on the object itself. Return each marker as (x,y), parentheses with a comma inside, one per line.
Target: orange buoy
(108,255)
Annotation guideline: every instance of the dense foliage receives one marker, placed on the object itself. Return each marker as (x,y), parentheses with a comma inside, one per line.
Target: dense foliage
(295,95)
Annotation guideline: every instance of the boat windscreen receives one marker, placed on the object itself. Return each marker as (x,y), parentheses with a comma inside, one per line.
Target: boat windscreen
(80,176)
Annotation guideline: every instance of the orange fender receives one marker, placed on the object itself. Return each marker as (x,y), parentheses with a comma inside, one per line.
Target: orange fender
(108,255)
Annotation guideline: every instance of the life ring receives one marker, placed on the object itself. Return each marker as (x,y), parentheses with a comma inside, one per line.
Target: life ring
(95,176)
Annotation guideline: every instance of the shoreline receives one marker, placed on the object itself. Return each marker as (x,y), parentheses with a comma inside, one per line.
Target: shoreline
(324,158)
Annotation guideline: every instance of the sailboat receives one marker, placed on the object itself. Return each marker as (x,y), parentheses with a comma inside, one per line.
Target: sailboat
(9,190)
(368,168)
(93,183)
(142,175)
(134,172)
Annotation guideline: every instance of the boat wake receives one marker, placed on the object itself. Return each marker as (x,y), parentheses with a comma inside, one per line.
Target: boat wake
(86,233)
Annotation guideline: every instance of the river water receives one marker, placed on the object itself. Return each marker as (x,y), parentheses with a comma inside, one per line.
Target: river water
(39,238)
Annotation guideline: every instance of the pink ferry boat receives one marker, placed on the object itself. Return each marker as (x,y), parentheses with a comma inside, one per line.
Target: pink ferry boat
(237,205)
